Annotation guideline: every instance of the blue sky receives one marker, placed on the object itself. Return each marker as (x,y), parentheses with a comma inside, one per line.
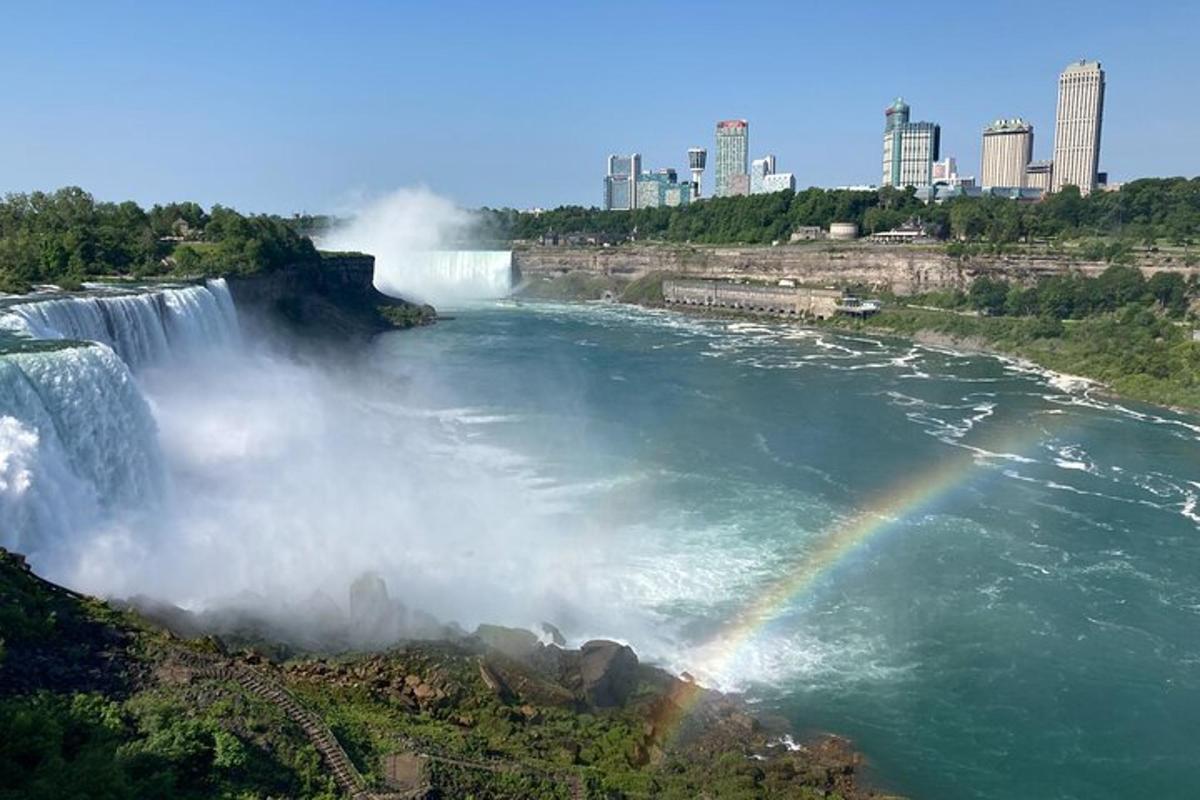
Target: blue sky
(297,106)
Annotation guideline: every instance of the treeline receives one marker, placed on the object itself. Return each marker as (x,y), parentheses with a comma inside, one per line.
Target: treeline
(1143,212)
(1075,296)
(66,237)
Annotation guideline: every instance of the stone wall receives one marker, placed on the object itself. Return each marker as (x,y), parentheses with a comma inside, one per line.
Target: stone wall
(797,301)
(903,269)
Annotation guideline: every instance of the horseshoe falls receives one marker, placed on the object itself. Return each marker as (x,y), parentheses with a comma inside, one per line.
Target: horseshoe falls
(442,276)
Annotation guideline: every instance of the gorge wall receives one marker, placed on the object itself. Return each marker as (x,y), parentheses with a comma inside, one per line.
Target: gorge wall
(335,297)
(903,269)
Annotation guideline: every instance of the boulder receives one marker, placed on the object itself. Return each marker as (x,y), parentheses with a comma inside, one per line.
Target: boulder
(515,643)
(608,672)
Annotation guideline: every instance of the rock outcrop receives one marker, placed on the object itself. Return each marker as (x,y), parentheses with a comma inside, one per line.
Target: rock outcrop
(608,672)
(333,299)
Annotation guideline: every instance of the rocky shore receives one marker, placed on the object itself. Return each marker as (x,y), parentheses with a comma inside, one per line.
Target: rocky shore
(497,713)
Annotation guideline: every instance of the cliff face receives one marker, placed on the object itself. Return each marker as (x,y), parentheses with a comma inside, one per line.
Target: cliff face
(336,298)
(903,269)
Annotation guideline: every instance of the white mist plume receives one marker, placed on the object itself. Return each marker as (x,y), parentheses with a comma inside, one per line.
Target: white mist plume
(417,238)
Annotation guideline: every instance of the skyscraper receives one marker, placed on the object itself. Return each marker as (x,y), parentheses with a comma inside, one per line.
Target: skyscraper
(733,152)
(697,158)
(909,148)
(760,168)
(620,184)
(1007,151)
(765,180)
(1077,126)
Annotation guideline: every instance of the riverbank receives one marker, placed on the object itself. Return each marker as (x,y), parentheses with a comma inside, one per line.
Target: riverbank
(1131,354)
(1134,356)
(93,695)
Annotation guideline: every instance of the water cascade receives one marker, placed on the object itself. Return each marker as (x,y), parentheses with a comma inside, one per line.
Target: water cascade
(77,438)
(143,328)
(446,275)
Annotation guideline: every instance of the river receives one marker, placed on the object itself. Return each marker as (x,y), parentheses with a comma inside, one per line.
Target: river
(1014,610)
(986,576)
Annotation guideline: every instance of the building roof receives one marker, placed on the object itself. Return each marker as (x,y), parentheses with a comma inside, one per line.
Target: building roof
(1008,126)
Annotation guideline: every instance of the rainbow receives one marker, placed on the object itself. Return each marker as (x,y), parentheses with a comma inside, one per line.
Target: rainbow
(885,512)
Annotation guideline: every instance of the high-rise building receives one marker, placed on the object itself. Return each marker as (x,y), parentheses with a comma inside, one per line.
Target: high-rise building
(620,184)
(1077,126)
(662,188)
(759,169)
(733,152)
(1039,175)
(1007,151)
(697,158)
(765,180)
(909,148)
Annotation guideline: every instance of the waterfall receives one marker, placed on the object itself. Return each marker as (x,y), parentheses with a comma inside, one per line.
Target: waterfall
(446,275)
(76,439)
(143,328)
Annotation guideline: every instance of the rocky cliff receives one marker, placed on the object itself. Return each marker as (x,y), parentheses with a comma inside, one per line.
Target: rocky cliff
(335,298)
(902,269)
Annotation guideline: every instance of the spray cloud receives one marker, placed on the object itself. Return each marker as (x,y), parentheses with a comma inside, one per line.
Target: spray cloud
(422,245)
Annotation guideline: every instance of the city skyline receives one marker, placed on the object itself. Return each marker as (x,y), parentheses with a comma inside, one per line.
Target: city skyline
(357,103)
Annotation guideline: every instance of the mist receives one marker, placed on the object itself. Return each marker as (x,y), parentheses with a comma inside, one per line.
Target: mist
(265,484)
(424,248)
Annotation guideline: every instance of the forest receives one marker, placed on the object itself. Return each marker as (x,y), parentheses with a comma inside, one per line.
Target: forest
(1144,212)
(67,236)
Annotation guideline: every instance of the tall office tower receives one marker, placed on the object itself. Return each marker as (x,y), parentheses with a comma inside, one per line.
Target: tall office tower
(697,158)
(909,148)
(733,149)
(1077,126)
(620,184)
(1007,151)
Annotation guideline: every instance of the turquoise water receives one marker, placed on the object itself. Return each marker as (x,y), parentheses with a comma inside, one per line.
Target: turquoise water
(1028,628)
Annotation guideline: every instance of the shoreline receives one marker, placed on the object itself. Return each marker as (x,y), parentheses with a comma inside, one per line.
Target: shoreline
(928,337)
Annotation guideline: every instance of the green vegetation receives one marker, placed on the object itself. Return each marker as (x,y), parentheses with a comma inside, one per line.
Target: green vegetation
(96,702)
(66,237)
(1117,328)
(1107,224)
(408,315)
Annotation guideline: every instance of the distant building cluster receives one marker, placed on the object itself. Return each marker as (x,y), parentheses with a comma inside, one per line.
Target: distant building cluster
(1007,168)
(911,157)
(627,186)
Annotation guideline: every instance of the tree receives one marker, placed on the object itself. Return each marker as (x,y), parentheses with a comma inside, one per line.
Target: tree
(988,295)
